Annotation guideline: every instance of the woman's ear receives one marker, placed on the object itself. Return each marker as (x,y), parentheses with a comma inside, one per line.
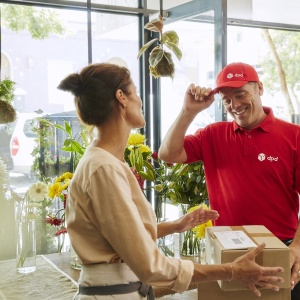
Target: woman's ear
(120,96)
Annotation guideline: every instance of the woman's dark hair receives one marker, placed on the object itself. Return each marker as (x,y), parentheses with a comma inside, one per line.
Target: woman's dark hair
(94,88)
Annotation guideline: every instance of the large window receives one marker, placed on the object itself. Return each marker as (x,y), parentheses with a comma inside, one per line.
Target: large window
(37,57)
(196,41)
(258,47)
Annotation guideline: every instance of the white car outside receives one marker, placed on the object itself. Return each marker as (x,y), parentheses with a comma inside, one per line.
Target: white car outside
(22,143)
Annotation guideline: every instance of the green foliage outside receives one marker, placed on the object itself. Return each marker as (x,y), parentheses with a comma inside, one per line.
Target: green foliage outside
(7,88)
(39,22)
(286,44)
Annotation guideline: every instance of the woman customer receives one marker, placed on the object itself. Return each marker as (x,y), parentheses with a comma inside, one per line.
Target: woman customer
(111,224)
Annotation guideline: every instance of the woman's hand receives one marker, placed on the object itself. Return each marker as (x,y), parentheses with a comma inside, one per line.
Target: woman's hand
(247,271)
(194,218)
(186,222)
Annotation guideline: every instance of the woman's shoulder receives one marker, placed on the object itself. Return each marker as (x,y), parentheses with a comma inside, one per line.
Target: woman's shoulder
(97,159)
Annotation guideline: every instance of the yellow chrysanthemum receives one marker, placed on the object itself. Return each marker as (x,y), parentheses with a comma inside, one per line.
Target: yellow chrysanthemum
(204,206)
(130,147)
(68,175)
(54,190)
(136,139)
(199,231)
(144,148)
(64,177)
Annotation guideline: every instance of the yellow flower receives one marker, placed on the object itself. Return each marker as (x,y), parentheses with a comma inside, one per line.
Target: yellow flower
(54,190)
(204,206)
(136,139)
(144,148)
(199,231)
(60,185)
(66,177)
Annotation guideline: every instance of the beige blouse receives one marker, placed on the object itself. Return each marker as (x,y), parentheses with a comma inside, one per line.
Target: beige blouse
(110,220)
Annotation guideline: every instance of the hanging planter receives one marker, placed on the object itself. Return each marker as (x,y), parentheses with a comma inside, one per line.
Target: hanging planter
(160,61)
(7,111)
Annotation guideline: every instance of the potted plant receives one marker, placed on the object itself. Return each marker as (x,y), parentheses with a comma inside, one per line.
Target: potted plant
(7,111)
(160,61)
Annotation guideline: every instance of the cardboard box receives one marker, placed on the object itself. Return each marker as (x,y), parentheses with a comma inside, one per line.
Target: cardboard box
(226,243)
(212,291)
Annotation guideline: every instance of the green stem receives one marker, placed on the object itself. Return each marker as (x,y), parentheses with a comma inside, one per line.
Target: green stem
(24,248)
(62,243)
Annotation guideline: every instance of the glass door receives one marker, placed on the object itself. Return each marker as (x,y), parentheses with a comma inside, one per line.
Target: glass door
(197,65)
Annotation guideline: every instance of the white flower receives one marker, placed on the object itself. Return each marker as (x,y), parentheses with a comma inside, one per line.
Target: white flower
(38,191)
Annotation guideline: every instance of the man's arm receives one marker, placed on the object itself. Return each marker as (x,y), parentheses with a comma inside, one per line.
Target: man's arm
(196,99)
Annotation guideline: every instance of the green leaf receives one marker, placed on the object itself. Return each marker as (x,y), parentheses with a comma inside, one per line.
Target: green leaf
(67,149)
(145,47)
(77,147)
(170,36)
(182,170)
(67,142)
(68,128)
(84,138)
(147,176)
(148,165)
(139,160)
(175,49)
(132,158)
(155,56)
(156,26)
(60,127)
(176,167)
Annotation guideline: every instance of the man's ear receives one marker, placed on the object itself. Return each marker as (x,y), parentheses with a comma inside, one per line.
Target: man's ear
(120,96)
(260,88)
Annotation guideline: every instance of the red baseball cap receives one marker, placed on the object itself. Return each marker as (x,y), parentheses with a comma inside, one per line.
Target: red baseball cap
(236,75)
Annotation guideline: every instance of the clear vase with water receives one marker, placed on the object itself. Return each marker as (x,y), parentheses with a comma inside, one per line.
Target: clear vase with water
(189,243)
(25,237)
(26,245)
(74,259)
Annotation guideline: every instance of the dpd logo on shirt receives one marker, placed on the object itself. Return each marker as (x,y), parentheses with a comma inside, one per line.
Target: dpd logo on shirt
(262,157)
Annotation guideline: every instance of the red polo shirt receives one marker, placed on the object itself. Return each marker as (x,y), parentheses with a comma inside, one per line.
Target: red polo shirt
(253,177)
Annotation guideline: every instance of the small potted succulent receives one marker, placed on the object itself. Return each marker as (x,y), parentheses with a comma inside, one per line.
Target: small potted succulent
(160,61)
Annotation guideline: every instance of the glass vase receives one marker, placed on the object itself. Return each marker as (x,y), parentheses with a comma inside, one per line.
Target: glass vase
(189,243)
(25,219)
(74,259)
(26,245)
(166,245)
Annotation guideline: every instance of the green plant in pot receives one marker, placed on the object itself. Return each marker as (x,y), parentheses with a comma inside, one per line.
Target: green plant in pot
(160,61)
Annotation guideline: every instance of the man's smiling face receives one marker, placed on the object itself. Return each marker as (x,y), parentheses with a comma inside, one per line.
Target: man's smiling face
(244,104)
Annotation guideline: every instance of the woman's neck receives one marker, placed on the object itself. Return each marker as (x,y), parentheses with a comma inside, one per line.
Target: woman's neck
(113,141)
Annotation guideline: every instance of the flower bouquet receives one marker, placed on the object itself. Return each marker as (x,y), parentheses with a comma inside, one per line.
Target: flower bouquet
(58,191)
(27,216)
